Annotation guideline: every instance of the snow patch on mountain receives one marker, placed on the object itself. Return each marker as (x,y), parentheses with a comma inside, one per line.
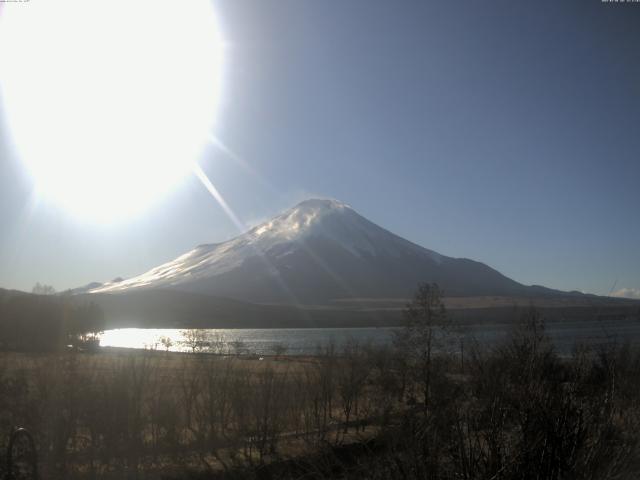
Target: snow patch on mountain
(280,237)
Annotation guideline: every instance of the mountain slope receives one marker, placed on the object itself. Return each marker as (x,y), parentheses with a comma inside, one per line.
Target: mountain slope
(317,252)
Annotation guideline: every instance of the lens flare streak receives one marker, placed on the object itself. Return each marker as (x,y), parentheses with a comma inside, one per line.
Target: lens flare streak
(197,170)
(218,197)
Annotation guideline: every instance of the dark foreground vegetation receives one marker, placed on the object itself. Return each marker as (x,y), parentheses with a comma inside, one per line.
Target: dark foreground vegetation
(46,322)
(419,409)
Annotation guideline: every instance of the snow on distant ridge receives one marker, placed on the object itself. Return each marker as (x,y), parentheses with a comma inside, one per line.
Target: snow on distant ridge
(627,293)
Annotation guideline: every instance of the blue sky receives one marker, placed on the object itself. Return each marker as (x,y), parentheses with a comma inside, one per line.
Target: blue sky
(502,131)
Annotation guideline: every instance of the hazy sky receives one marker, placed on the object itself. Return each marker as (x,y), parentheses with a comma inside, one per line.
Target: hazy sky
(507,132)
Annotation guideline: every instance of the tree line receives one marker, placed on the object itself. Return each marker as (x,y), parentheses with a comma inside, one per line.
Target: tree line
(46,322)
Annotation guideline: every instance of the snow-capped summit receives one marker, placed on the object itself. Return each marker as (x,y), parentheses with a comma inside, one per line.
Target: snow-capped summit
(303,219)
(318,251)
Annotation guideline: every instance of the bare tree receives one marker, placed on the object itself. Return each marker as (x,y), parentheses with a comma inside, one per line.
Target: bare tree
(196,339)
(166,342)
(351,378)
(43,289)
(427,324)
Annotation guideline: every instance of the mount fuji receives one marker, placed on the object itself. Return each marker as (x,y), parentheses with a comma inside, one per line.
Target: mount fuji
(318,253)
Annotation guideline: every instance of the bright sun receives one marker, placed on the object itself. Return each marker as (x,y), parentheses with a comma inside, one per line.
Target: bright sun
(109,103)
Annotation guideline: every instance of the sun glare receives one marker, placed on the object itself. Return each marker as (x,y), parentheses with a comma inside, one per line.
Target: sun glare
(109,103)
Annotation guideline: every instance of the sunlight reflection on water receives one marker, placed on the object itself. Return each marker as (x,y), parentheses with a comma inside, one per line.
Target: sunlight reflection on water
(304,341)
(296,341)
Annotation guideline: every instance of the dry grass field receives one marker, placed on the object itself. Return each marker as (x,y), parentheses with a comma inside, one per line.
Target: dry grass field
(410,410)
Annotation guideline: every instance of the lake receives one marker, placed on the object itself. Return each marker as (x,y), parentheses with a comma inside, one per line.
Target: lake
(304,341)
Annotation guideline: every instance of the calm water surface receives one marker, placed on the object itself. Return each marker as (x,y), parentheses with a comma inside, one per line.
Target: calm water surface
(303,341)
